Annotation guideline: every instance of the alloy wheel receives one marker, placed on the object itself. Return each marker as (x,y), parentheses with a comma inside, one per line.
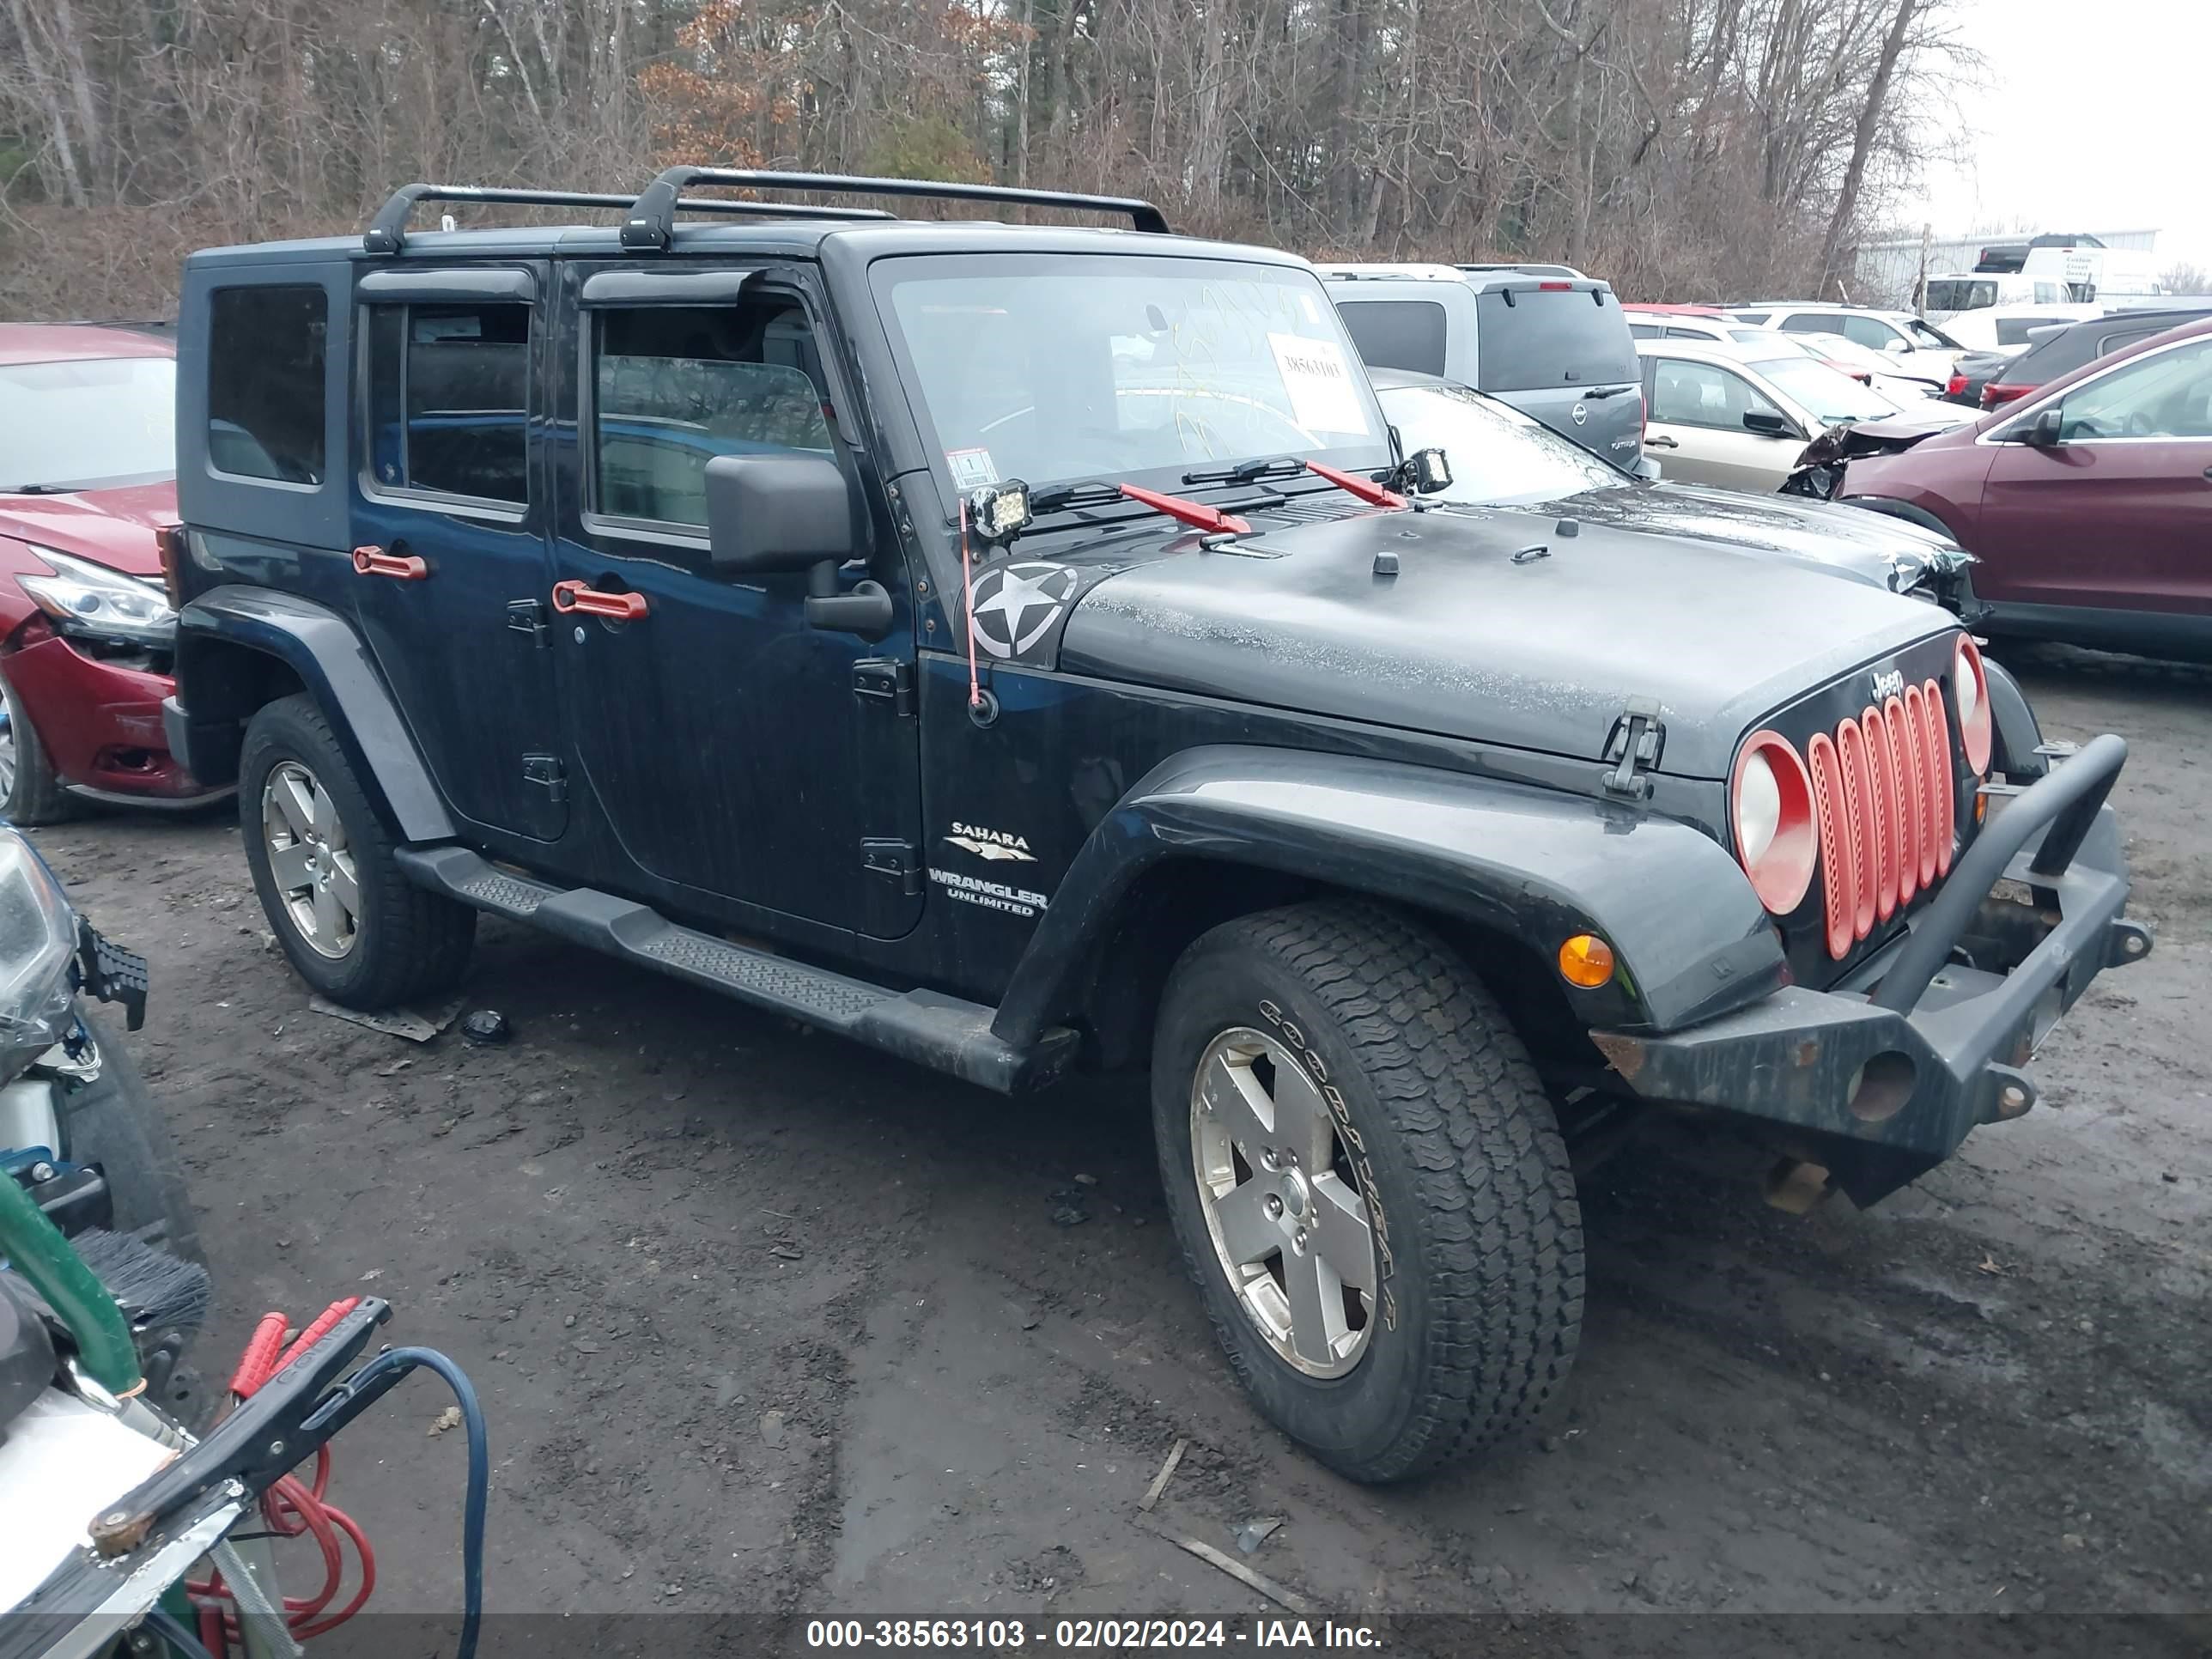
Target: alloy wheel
(309,859)
(1289,1227)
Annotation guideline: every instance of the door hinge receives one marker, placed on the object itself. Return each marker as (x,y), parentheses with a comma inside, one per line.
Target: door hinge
(1637,738)
(527,616)
(895,859)
(545,772)
(884,680)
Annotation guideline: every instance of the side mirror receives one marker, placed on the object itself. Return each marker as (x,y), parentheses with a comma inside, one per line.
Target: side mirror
(1428,472)
(2043,432)
(793,512)
(778,511)
(1768,424)
(1648,470)
(1897,346)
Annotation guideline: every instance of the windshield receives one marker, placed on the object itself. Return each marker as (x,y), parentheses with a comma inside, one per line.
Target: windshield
(1053,369)
(87,422)
(1497,453)
(1830,397)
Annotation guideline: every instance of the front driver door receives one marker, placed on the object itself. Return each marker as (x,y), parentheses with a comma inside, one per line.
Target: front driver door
(1695,429)
(2118,515)
(739,754)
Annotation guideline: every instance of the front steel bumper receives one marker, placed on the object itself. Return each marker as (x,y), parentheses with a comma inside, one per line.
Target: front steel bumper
(1881,1077)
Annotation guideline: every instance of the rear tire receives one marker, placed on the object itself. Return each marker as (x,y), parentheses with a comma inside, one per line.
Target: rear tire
(354,927)
(1437,1129)
(33,792)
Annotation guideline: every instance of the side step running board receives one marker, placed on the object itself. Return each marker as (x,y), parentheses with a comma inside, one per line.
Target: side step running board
(943,1033)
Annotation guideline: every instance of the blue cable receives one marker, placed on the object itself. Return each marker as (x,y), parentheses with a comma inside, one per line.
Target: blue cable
(472,1516)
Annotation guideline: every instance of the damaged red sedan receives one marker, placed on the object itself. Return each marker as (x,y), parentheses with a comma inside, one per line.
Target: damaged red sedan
(88,483)
(2087,502)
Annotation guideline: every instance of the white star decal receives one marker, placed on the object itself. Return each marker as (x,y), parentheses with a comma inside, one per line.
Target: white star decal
(1015,596)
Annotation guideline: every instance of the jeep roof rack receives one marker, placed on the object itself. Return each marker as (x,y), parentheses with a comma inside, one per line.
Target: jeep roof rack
(387,232)
(649,225)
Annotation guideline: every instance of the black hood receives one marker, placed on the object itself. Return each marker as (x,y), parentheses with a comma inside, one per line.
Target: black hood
(1543,653)
(1872,547)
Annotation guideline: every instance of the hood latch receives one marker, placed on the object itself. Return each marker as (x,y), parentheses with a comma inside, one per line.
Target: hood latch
(1637,738)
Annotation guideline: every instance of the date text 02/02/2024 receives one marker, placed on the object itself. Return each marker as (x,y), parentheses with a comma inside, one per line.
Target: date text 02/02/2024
(1007,1635)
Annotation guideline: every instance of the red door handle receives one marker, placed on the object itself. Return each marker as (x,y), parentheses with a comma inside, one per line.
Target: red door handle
(376,562)
(571,597)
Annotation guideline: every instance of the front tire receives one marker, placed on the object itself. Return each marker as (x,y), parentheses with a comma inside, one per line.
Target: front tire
(354,927)
(1329,1078)
(31,791)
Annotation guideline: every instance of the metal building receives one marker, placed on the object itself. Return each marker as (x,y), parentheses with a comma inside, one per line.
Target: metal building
(1889,270)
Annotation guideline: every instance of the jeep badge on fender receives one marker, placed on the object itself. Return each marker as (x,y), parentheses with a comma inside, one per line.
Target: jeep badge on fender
(1022,648)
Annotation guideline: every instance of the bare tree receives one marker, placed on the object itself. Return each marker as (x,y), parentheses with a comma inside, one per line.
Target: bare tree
(1686,149)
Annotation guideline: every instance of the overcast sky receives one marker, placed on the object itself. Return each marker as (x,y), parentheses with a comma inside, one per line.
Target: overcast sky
(2091,118)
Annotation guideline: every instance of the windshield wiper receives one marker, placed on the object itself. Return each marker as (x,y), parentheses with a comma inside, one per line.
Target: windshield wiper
(1245,472)
(1197,514)
(36,489)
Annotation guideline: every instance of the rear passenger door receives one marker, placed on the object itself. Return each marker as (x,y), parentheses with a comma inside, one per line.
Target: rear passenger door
(448,578)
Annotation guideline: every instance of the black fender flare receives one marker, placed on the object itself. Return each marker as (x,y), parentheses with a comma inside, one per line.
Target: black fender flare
(2019,734)
(1690,936)
(320,647)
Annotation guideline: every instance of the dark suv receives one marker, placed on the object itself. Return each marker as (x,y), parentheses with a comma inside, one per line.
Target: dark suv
(1014,647)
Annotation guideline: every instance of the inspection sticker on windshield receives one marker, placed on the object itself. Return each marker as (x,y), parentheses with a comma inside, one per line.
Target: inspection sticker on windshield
(971,468)
(1324,397)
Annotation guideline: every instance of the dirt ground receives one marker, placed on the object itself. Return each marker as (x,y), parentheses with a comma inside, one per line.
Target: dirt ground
(767,1323)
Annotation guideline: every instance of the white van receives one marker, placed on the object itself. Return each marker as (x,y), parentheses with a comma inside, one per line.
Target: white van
(2108,276)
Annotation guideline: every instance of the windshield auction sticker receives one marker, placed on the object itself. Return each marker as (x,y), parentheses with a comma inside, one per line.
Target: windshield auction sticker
(971,468)
(1324,396)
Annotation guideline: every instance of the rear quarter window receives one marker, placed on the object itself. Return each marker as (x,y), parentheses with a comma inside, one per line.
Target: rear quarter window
(265,354)
(1554,338)
(1407,334)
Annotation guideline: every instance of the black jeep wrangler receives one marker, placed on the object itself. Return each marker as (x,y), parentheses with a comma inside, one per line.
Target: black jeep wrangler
(1015,647)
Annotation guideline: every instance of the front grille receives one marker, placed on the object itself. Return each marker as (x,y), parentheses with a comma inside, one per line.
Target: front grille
(1882,799)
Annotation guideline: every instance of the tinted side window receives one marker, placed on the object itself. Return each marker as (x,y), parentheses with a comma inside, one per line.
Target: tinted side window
(1645,330)
(1407,334)
(1814,322)
(266,352)
(1550,338)
(449,392)
(673,387)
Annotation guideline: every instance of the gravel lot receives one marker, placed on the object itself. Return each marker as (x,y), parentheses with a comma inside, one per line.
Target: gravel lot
(765,1322)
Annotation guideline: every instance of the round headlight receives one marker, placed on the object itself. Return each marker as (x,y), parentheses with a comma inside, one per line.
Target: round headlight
(1770,813)
(1758,808)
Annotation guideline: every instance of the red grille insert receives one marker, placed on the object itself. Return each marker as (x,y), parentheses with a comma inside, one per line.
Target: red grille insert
(1939,775)
(1883,796)
(1882,768)
(1836,853)
(1858,803)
